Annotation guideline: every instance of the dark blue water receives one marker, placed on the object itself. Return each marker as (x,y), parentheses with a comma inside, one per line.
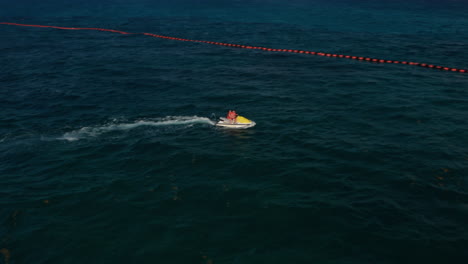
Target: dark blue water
(108,153)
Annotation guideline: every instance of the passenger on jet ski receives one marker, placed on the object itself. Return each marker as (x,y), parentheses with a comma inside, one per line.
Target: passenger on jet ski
(232,115)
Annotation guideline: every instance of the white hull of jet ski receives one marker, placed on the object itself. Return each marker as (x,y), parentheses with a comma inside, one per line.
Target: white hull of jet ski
(224,122)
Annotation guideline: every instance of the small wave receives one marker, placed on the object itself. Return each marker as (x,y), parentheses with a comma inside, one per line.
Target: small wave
(167,121)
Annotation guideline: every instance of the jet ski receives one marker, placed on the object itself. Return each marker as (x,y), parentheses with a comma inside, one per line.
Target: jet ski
(239,123)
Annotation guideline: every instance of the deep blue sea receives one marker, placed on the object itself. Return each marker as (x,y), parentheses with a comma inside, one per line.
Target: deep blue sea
(109,153)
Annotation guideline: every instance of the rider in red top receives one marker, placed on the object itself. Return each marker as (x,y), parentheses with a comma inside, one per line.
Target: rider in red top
(231,116)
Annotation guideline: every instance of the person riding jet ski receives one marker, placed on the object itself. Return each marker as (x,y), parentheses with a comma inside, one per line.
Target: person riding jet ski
(233,120)
(232,116)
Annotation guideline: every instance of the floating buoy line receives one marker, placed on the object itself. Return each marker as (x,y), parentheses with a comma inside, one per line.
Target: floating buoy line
(331,55)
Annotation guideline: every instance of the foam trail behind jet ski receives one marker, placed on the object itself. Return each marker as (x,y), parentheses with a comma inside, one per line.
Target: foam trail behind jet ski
(167,121)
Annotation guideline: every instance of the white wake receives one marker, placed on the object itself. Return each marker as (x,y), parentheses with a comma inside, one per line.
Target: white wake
(166,121)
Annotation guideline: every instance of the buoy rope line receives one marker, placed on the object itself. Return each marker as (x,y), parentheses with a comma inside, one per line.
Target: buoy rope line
(358,58)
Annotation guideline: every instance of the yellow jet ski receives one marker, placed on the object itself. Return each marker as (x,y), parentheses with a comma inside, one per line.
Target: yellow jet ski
(239,123)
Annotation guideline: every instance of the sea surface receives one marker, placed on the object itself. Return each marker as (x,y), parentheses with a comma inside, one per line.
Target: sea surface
(109,153)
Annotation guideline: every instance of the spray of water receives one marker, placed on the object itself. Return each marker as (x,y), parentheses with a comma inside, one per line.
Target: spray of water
(166,121)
